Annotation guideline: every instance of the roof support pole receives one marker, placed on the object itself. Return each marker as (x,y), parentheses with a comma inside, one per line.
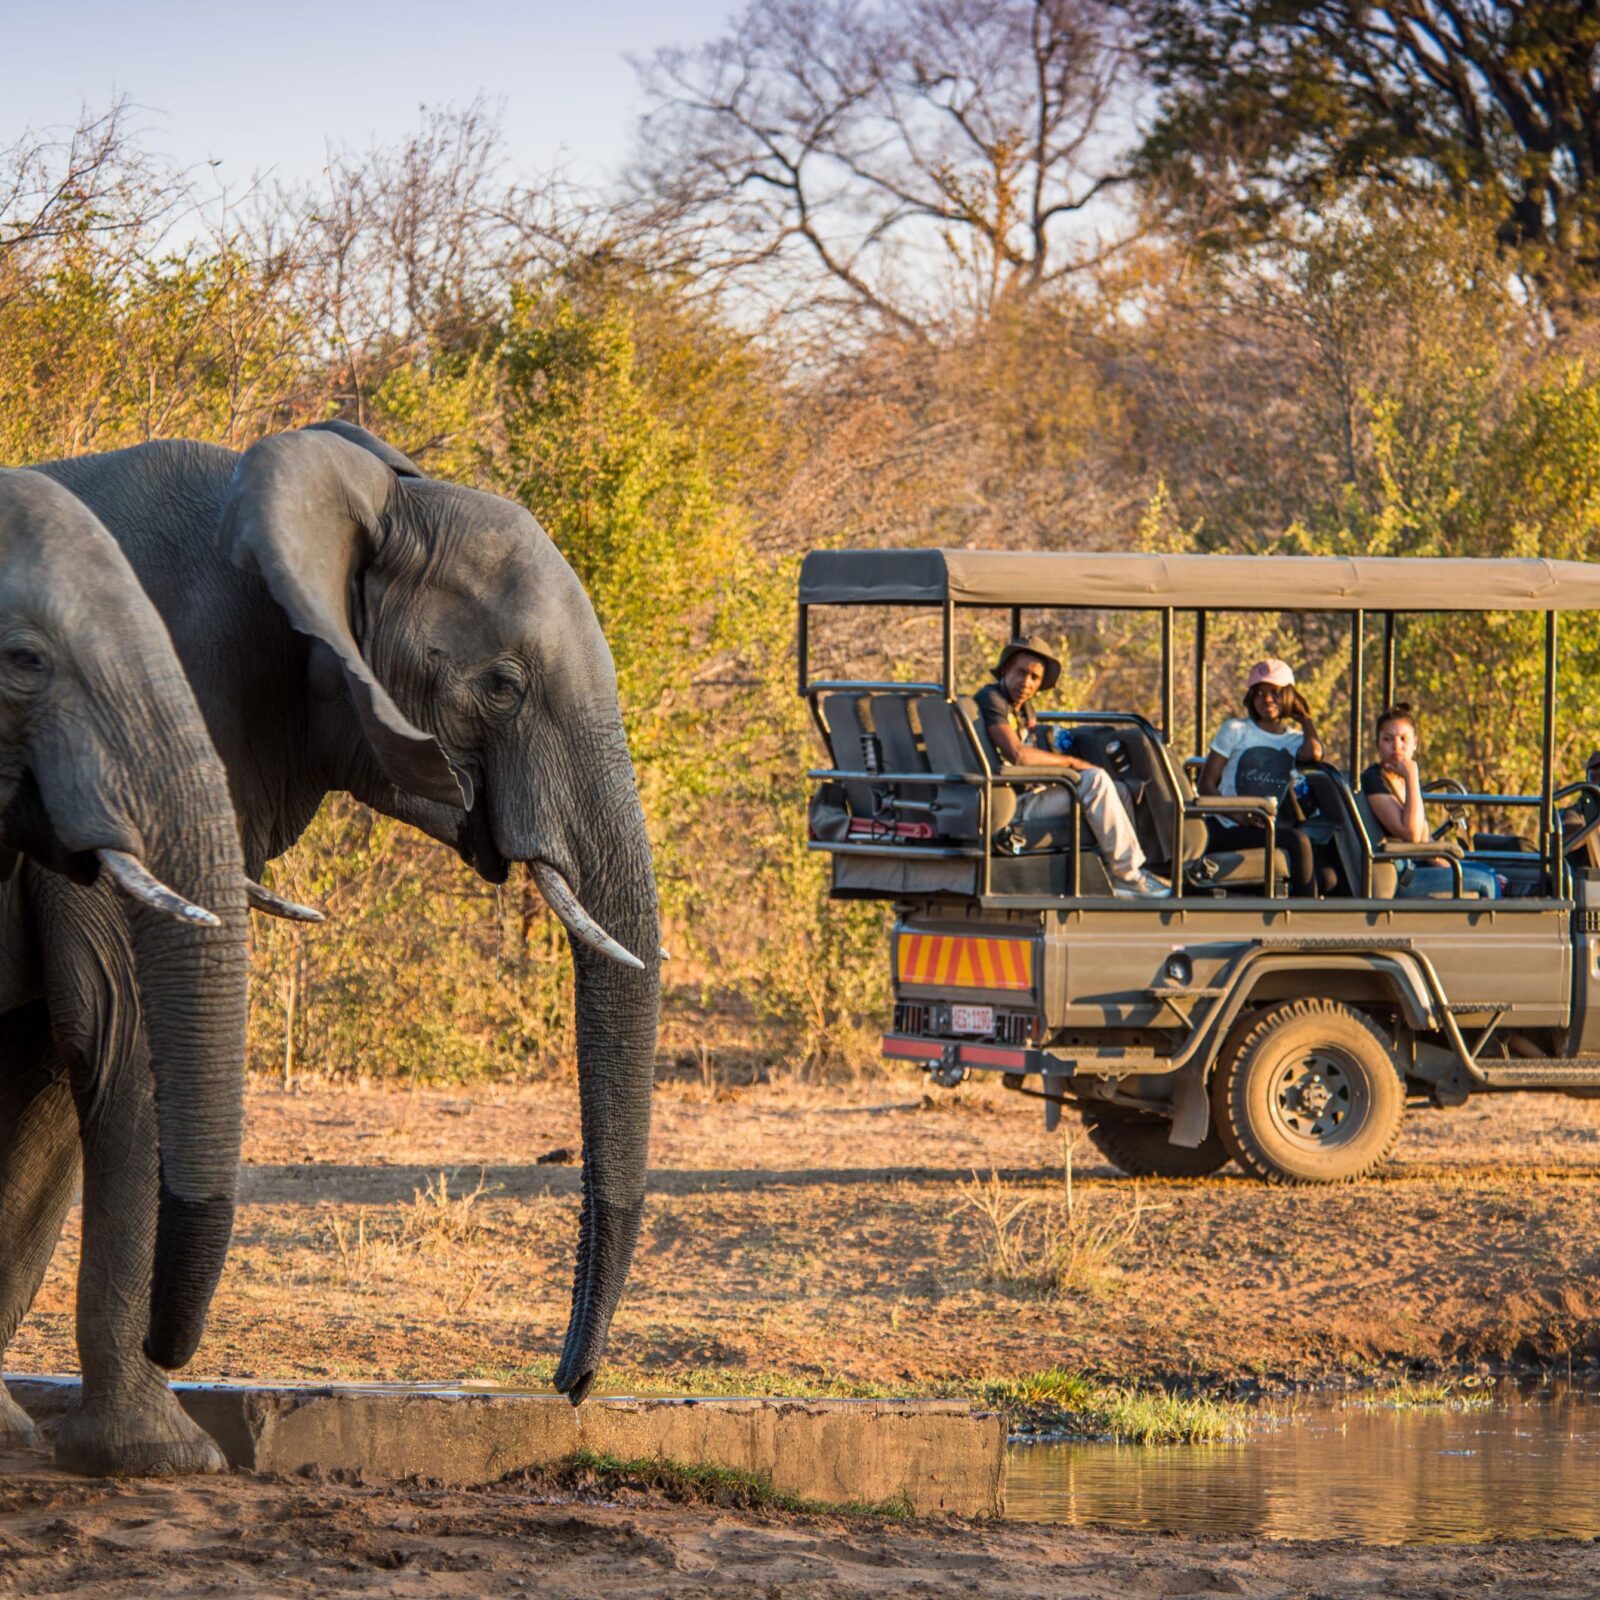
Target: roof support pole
(800,647)
(949,650)
(1388,659)
(1016,622)
(1358,672)
(1200,683)
(1167,710)
(1549,833)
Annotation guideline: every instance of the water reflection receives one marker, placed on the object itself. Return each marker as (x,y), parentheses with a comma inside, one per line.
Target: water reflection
(1527,1468)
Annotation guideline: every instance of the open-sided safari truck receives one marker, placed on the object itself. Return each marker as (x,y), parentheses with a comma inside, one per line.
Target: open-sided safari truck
(1231,1020)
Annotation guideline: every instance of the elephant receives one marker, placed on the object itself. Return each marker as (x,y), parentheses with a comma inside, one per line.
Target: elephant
(109,782)
(348,624)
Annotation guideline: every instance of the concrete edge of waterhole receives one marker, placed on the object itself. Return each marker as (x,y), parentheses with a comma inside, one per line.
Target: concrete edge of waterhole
(935,1456)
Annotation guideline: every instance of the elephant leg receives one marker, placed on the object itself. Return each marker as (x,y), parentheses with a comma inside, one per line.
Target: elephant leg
(38,1174)
(128,1422)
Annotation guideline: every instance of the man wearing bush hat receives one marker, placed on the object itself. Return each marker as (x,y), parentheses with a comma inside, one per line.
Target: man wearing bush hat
(1027,666)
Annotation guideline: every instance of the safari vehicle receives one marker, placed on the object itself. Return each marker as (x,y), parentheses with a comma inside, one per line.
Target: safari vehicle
(1229,1020)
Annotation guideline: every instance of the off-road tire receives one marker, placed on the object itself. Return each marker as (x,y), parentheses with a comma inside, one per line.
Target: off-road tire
(1137,1144)
(1259,1106)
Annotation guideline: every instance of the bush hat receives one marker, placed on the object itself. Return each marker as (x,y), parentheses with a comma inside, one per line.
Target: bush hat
(1278,673)
(1032,645)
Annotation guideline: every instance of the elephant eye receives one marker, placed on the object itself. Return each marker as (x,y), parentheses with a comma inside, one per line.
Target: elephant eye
(22,659)
(502,687)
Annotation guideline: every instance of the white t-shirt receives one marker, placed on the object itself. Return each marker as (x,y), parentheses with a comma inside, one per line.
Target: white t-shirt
(1235,739)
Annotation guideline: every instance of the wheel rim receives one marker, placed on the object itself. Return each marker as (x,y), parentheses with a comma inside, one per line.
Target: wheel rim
(1317,1098)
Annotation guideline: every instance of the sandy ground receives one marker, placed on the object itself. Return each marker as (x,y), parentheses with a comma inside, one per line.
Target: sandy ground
(272,1538)
(807,1238)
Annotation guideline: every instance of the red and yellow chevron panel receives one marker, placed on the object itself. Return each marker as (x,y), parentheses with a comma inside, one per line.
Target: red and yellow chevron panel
(963,963)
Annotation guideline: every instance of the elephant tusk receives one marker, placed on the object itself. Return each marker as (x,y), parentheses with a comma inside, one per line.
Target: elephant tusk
(561,900)
(666,954)
(139,883)
(274,905)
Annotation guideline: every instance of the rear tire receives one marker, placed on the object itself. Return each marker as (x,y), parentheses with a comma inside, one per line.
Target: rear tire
(1137,1144)
(1312,1095)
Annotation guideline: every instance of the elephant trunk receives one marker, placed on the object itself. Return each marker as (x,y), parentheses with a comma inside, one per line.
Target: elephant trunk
(192,983)
(616,1031)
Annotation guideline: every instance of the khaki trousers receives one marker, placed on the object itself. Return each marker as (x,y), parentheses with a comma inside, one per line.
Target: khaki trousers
(1105,803)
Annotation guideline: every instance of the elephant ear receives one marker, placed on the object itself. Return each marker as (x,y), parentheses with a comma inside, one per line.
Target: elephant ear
(401,466)
(306,511)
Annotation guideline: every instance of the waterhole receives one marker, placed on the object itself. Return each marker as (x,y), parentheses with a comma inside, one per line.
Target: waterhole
(1525,1467)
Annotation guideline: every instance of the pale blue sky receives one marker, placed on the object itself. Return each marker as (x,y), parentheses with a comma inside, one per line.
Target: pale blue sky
(266,87)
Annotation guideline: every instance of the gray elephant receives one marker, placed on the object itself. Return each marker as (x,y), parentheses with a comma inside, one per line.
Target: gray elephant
(349,624)
(107,776)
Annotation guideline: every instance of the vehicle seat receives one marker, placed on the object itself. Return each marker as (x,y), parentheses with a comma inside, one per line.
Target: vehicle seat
(891,721)
(957,807)
(1352,833)
(1129,755)
(847,734)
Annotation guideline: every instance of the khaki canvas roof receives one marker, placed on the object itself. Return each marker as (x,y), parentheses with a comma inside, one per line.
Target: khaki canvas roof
(1196,582)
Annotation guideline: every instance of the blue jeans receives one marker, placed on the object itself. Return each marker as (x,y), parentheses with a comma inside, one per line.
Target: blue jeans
(1418,881)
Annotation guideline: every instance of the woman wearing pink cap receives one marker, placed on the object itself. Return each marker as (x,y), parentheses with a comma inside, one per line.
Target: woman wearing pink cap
(1256,756)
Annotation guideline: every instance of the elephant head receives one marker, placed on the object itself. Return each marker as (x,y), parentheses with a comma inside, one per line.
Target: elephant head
(105,766)
(479,702)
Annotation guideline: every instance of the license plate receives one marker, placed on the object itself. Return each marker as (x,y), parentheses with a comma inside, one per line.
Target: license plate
(972,1019)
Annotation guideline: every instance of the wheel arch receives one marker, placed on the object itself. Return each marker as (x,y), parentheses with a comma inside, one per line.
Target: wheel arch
(1391,978)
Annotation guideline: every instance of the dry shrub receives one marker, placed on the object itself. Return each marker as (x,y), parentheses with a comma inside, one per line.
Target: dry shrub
(436,1219)
(1044,1246)
(434,1235)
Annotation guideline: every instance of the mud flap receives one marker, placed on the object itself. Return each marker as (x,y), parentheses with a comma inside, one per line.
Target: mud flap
(1191,1108)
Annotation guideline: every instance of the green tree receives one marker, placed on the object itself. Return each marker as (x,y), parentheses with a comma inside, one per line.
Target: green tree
(1266,103)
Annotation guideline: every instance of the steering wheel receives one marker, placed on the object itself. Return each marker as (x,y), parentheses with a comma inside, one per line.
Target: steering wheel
(1456,819)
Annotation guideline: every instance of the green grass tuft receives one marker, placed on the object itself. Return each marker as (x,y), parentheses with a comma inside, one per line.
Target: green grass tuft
(1441,1394)
(1059,1401)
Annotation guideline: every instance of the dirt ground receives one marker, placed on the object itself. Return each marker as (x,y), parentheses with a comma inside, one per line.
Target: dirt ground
(810,1236)
(807,1238)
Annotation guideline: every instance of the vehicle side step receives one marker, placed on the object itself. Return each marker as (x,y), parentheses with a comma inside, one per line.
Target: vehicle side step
(1096,1061)
(1572,1072)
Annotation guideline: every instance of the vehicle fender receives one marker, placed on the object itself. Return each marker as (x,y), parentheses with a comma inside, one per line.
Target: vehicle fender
(1402,981)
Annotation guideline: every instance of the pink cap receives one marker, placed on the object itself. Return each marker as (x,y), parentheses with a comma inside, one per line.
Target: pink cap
(1272,671)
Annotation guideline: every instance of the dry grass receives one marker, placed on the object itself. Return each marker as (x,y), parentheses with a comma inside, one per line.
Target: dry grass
(436,1219)
(1039,1246)
(433,1238)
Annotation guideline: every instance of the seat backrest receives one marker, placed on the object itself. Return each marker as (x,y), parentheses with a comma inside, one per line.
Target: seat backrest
(846,732)
(1329,797)
(891,719)
(1355,832)
(945,736)
(1129,753)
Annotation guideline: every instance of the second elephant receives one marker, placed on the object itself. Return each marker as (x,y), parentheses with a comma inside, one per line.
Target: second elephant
(123,1022)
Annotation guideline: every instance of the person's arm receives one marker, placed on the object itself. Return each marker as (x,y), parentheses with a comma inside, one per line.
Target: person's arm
(1407,820)
(1211,773)
(1310,751)
(1017,754)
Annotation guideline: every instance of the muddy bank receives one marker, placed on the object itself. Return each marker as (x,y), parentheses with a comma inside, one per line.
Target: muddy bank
(95,1540)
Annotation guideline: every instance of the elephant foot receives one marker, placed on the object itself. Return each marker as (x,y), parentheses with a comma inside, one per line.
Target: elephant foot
(144,1436)
(17,1431)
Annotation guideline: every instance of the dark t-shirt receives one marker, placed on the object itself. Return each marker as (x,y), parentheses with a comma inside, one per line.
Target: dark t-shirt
(1373,782)
(994,706)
